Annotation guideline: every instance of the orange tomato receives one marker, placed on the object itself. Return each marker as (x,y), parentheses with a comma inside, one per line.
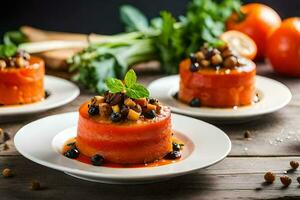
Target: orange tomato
(240,43)
(283,49)
(259,23)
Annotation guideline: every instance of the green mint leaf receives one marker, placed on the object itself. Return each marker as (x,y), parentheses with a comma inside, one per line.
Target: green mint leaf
(7,50)
(137,91)
(114,85)
(130,78)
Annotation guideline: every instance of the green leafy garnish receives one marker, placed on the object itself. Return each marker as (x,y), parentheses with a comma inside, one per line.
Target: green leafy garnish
(114,85)
(11,40)
(163,38)
(7,50)
(14,38)
(132,89)
(137,91)
(130,78)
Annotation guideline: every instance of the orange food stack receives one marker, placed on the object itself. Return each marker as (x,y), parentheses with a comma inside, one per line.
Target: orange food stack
(22,85)
(130,142)
(218,88)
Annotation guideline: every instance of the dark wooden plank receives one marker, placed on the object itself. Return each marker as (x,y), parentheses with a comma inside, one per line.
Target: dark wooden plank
(231,179)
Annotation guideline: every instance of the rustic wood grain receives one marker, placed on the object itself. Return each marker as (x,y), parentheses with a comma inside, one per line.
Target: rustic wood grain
(231,179)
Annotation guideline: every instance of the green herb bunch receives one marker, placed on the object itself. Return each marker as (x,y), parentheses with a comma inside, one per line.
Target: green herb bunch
(163,38)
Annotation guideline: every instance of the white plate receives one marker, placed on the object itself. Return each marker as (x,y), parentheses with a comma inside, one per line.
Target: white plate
(273,95)
(61,92)
(205,145)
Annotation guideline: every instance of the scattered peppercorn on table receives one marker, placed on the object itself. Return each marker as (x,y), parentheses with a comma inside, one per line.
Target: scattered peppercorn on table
(267,144)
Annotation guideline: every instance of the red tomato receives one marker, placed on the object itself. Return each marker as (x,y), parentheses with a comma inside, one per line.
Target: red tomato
(283,49)
(259,22)
(241,43)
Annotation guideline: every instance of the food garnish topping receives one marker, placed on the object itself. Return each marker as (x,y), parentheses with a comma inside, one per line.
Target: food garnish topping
(124,100)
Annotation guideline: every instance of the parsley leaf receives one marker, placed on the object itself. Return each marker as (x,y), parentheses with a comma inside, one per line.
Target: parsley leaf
(203,22)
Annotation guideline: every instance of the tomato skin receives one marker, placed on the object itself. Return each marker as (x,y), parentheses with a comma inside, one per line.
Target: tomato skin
(283,49)
(259,23)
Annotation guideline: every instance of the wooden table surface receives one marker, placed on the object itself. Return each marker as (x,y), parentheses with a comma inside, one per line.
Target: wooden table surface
(275,142)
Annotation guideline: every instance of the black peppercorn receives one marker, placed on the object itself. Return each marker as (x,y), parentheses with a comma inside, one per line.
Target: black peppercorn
(176,146)
(194,67)
(116,117)
(193,58)
(175,95)
(93,110)
(149,114)
(153,101)
(195,102)
(47,94)
(173,155)
(72,153)
(97,160)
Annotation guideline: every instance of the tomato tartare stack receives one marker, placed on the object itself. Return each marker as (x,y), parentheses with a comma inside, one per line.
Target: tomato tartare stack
(21,79)
(124,126)
(216,77)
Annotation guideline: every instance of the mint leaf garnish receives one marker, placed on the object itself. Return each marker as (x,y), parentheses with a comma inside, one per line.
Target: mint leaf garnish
(132,89)
(130,78)
(114,85)
(137,91)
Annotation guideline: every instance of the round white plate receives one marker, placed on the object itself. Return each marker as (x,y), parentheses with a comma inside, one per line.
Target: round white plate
(205,145)
(273,95)
(61,92)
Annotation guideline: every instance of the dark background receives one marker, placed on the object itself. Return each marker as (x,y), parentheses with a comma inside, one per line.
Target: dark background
(98,16)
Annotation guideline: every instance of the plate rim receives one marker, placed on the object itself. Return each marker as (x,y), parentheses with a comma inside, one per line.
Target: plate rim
(225,117)
(118,176)
(33,109)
